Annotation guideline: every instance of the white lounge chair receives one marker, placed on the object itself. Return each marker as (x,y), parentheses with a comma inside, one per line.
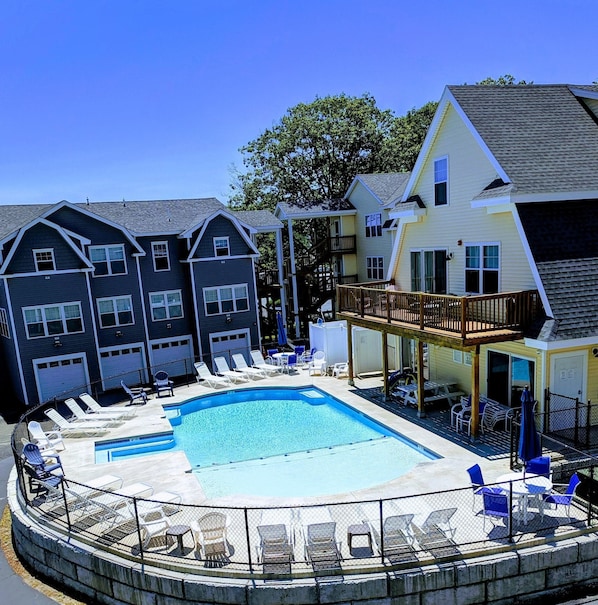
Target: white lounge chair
(223,369)
(241,366)
(76,427)
(204,374)
(261,363)
(276,545)
(80,414)
(340,369)
(396,541)
(95,407)
(45,440)
(322,550)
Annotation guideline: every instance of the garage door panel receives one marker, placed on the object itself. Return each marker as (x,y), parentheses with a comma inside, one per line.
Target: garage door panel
(126,364)
(174,356)
(226,345)
(61,378)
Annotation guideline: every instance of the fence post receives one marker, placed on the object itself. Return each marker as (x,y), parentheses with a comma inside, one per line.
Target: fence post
(576,432)
(248,540)
(588,420)
(138,528)
(380,504)
(510,538)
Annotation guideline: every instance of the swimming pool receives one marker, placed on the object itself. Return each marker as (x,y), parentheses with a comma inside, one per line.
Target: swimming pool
(278,442)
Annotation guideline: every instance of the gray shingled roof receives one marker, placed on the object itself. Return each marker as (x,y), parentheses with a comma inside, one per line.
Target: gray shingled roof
(563,240)
(387,187)
(156,216)
(541,135)
(13,217)
(260,219)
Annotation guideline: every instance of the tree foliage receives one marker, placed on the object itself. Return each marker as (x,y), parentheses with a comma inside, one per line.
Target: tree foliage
(315,151)
(506,80)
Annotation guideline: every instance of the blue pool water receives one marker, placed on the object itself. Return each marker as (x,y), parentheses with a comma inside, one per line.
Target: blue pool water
(278,442)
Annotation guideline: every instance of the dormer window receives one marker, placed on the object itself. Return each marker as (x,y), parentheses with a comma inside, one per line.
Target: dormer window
(44,259)
(441,181)
(160,256)
(221,246)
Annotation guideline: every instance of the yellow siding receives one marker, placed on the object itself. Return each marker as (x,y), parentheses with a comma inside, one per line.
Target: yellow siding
(443,227)
(366,203)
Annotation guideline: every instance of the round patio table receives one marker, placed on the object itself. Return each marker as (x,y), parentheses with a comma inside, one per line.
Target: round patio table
(533,486)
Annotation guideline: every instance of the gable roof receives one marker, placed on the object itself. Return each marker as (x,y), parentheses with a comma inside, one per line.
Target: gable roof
(386,187)
(543,136)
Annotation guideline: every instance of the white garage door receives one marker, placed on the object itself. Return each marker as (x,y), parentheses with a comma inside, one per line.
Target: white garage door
(126,363)
(61,377)
(227,344)
(173,356)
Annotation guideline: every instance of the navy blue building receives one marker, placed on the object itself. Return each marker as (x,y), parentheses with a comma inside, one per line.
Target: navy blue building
(92,294)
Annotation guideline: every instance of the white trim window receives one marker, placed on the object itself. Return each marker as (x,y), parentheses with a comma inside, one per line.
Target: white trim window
(115,311)
(373,225)
(4,328)
(221,246)
(482,268)
(226,299)
(108,260)
(441,181)
(53,320)
(44,259)
(160,256)
(374,267)
(166,305)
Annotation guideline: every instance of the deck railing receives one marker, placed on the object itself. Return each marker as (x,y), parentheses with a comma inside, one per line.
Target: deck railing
(460,315)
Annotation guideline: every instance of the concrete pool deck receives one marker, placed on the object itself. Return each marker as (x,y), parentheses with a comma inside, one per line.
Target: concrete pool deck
(449,471)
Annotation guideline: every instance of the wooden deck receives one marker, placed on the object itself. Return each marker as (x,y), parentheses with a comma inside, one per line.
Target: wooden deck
(460,322)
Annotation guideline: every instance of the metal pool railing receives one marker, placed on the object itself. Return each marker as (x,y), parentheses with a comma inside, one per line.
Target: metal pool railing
(286,542)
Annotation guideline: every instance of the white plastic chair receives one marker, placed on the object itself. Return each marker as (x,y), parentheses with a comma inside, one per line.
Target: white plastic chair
(317,364)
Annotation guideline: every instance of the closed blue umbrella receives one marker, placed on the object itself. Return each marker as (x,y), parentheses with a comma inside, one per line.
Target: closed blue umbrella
(282,333)
(529,440)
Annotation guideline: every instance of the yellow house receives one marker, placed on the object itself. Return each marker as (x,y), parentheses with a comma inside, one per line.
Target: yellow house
(495,260)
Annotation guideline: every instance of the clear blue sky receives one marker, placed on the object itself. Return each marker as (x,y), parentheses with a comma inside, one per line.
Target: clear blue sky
(146,99)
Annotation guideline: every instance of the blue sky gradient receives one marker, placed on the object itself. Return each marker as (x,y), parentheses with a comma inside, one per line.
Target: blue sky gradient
(147,99)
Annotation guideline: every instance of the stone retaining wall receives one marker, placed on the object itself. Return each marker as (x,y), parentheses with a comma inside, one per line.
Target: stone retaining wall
(522,576)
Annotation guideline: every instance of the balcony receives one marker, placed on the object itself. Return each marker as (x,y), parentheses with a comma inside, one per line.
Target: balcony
(343,244)
(447,320)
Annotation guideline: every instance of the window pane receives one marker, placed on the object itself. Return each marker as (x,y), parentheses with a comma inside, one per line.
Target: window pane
(72,311)
(212,308)
(211,296)
(74,325)
(242,304)
(175,311)
(472,281)
(55,327)
(416,271)
(472,257)
(105,306)
(123,304)
(440,196)
(490,279)
(491,257)
(159,313)
(157,299)
(173,297)
(97,255)
(117,253)
(52,313)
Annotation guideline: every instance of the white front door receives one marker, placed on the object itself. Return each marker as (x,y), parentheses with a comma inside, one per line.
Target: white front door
(567,378)
(61,377)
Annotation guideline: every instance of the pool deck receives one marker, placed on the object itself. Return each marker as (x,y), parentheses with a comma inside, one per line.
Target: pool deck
(170,470)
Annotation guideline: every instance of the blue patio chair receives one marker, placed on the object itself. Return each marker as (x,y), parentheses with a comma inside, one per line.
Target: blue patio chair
(478,484)
(539,466)
(290,363)
(39,467)
(299,350)
(136,394)
(565,499)
(163,383)
(496,506)
(272,352)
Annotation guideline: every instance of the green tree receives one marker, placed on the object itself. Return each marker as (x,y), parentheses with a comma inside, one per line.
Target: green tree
(314,152)
(506,80)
